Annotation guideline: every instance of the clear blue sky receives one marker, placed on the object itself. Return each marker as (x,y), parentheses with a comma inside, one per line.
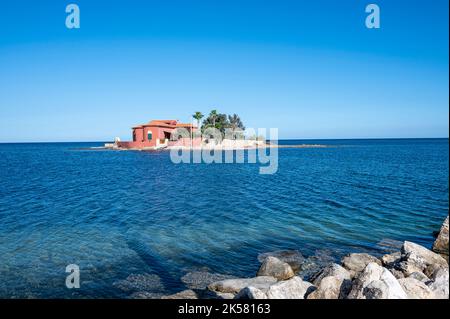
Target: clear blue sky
(310,68)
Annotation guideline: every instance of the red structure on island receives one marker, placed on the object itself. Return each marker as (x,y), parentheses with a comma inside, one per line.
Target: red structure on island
(161,133)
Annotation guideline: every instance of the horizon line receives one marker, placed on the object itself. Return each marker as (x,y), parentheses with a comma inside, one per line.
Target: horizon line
(281,139)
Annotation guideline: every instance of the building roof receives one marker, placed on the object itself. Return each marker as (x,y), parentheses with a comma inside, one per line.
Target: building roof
(165,123)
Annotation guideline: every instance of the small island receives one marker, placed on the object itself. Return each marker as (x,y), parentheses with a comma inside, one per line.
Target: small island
(217,132)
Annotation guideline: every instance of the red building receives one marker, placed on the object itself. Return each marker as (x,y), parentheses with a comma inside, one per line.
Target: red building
(159,134)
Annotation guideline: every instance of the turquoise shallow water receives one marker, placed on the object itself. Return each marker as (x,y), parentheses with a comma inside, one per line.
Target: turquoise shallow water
(121,213)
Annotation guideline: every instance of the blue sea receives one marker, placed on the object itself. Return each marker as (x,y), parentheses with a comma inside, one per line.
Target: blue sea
(116,213)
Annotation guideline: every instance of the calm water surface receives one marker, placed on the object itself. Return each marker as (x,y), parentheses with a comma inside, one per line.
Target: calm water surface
(121,213)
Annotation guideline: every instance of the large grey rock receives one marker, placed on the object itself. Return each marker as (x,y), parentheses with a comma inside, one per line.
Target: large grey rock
(294,288)
(416,289)
(439,283)
(293,257)
(357,262)
(376,282)
(236,285)
(416,258)
(331,287)
(251,293)
(441,244)
(274,267)
(334,270)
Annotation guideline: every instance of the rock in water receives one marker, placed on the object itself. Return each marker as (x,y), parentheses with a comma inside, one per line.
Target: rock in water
(440,283)
(389,245)
(376,282)
(331,287)
(293,257)
(145,295)
(334,270)
(236,285)
(357,262)
(251,293)
(294,288)
(416,289)
(141,283)
(274,267)
(441,244)
(315,263)
(201,279)
(185,294)
(416,258)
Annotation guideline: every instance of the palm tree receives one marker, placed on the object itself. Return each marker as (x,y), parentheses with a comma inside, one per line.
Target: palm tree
(213,115)
(198,116)
(235,122)
(236,125)
(216,120)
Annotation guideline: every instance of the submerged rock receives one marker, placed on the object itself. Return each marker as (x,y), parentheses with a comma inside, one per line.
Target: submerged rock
(293,257)
(376,282)
(357,262)
(315,263)
(441,244)
(294,288)
(236,285)
(201,279)
(185,294)
(389,245)
(274,267)
(145,295)
(140,283)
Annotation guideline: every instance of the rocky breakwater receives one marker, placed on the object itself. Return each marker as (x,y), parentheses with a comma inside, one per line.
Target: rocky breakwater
(414,272)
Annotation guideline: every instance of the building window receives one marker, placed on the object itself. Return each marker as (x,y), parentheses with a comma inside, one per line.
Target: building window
(134,136)
(149,135)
